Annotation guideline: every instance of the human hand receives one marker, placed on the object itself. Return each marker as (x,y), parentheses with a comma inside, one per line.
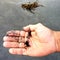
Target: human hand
(41,42)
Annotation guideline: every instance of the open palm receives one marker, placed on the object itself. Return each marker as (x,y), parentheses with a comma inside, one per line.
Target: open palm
(41,42)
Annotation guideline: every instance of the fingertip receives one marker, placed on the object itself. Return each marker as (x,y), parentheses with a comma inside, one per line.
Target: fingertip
(26,28)
(4,44)
(11,51)
(4,38)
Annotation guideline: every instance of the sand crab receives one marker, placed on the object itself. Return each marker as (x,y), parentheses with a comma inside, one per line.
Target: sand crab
(31,6)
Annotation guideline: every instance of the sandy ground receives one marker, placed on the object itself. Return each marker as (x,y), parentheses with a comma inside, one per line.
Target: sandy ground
(12,16)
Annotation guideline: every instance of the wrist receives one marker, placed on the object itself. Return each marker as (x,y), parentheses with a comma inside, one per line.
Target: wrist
(57,40)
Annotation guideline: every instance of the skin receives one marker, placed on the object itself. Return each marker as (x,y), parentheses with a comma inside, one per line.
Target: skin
(42,41)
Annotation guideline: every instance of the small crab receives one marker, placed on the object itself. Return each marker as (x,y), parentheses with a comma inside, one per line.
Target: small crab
(31,6)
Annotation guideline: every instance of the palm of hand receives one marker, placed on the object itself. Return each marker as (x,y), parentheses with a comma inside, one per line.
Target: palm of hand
(42,42)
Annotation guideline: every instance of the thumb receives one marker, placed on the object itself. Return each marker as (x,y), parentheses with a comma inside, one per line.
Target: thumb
(29,28)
